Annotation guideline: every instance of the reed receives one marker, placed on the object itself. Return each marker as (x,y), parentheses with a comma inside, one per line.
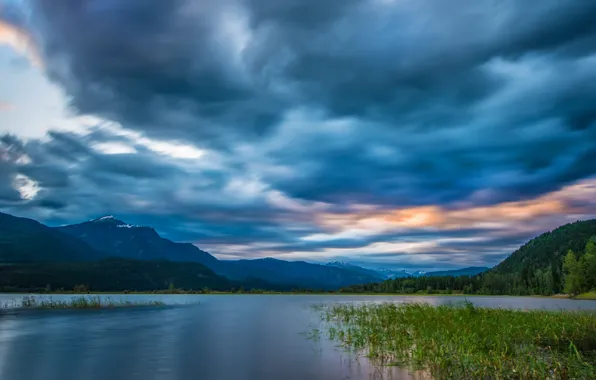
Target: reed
(467,342)
(93,302)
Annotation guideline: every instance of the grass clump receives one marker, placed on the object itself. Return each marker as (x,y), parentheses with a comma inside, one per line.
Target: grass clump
(452,342)
(94,302)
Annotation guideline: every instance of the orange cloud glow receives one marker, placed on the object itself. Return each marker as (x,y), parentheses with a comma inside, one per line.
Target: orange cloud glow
(20,41)
(563,202)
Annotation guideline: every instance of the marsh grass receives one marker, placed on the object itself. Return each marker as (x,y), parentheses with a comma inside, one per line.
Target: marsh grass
(93,302)
(453,342)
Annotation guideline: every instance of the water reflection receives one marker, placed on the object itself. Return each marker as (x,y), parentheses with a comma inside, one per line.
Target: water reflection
(222,337)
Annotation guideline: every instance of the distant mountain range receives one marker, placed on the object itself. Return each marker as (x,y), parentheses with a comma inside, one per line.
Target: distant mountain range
(25,241)
(356,268)
(387,274)
(398,273)
(116,238)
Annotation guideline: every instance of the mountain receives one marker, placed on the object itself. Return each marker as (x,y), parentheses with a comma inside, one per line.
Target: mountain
(469,271)
(384,274)
(392,273)
(116,238)
(548,249)
(25,240)
(112,275)
(298,274)
(398,273)
(356,268)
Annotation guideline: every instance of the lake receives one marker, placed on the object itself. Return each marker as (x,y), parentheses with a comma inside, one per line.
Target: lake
(200,337)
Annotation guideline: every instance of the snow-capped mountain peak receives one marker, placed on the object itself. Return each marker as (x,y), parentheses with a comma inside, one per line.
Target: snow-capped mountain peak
(113,222)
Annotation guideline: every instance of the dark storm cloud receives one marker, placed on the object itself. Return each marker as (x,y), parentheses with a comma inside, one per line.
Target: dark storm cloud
(407,62)
(379,102)
(132,165)
(150,62)
(437,91)
(47,175)
(354,57)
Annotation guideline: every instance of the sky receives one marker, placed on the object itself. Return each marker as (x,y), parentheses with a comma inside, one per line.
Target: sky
(411,134)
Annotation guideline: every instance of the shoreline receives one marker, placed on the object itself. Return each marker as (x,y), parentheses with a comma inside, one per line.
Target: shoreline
(590,296)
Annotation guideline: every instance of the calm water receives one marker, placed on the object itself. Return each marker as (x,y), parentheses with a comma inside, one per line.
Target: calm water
(233,337)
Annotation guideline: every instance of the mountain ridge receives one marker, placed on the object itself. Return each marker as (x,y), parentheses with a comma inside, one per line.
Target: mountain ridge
(116,238)
(26,240)
(106,234)
(386,273)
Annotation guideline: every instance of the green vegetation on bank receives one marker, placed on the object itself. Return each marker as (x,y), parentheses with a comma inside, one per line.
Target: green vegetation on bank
(586,296)
(94,302)
(451,342)
(563,260)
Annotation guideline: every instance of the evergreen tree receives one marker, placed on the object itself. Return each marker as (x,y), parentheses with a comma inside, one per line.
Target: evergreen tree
(588,265)
(573,276)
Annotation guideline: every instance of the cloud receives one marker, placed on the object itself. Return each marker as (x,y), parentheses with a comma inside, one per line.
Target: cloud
(164,147)
(26,187)
(309,129)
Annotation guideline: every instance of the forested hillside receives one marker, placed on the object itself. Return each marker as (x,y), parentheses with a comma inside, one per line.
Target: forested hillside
(549,248)
(534,269)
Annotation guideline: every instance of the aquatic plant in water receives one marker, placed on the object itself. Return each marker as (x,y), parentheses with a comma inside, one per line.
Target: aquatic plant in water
(453,342)
(94,302)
